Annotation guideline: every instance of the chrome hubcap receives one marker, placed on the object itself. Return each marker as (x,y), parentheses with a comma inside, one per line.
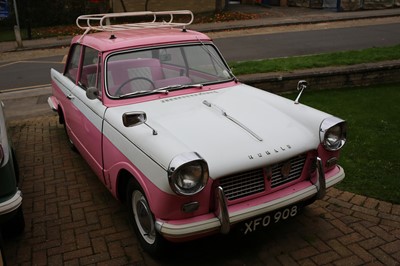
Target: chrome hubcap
(143,217)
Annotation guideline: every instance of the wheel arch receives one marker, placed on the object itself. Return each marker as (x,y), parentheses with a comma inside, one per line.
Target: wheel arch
(61,118)
(122,183)
(124,176)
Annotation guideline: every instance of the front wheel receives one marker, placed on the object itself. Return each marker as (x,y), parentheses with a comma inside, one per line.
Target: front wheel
(143,221)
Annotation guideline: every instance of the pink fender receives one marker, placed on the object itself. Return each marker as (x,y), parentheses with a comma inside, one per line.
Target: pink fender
(164,206)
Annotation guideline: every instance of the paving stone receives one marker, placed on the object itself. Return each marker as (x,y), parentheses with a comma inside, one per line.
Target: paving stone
(361,253)
(372,243)
(383,257)
(94,259)
(391,247)
(396,210)
(340,249)
(385,207)
(286,260)
(344,228)
(352,260)
(358,200)
(307,262)
(304,253)
(350,238)
(345,196)
(326,257)
(386,236)
(365,210)
(396,256)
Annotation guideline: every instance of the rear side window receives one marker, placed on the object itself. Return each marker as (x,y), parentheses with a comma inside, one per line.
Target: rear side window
(73,64)
(90,69)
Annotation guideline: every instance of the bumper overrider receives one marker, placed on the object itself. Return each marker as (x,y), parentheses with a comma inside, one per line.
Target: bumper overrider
(222,220)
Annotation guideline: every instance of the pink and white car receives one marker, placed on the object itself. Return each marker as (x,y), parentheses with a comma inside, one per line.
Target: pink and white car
(158,115)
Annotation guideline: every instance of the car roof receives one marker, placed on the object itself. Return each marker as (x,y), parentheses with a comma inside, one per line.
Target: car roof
(117,40)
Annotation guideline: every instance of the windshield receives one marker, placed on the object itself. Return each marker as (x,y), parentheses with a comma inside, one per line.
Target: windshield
(160,70)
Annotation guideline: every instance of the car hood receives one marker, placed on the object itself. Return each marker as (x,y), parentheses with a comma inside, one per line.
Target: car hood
(233,129)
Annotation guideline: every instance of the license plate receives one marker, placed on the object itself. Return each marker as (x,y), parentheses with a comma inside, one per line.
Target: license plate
(269,219)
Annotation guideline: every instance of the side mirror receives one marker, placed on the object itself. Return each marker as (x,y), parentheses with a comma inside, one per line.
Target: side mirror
(132,119)
(301,85)
(92,93)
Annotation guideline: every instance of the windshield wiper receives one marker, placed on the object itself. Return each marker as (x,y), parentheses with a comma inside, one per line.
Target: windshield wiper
(126,95)
(164,90)
(182,86)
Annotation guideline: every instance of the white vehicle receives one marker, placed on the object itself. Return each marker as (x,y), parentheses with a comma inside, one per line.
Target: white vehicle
(156,112)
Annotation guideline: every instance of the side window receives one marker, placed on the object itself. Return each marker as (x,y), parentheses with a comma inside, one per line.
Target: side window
(90,68)
(73,64)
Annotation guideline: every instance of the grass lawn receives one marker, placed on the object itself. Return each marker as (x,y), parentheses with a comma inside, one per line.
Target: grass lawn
(343,58)
(371,156)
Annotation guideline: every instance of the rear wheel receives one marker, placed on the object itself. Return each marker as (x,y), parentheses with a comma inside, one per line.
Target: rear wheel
(143,221)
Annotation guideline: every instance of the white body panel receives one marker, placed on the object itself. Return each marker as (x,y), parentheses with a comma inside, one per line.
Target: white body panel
(228,148)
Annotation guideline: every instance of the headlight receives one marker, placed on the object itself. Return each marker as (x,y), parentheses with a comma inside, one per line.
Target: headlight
(187,174)
(333,133)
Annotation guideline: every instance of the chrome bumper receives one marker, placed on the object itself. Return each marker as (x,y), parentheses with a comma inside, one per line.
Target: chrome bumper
(223,220)
(52,104)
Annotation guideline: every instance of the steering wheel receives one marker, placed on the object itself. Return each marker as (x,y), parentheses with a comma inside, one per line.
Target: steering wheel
(117,91)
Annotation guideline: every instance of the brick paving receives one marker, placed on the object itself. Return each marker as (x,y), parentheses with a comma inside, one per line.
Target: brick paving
(71,219)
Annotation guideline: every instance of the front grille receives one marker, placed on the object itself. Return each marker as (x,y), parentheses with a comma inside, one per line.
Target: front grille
(259,180)
(243,184)
(296,167)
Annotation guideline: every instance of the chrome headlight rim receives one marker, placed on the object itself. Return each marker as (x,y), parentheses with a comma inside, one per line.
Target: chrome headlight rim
(188,168)
(333,133)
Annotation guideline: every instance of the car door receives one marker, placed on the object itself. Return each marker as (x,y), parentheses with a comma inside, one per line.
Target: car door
(86,117)
(63,85)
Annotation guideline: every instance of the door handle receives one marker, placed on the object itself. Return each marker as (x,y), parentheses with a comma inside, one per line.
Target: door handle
(70,97)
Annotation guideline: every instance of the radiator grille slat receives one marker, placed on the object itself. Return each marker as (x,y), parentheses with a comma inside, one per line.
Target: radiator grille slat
(243,184)
(278,179)
(255,181)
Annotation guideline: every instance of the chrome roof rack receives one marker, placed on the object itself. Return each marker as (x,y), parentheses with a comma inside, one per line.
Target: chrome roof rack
(149,19)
